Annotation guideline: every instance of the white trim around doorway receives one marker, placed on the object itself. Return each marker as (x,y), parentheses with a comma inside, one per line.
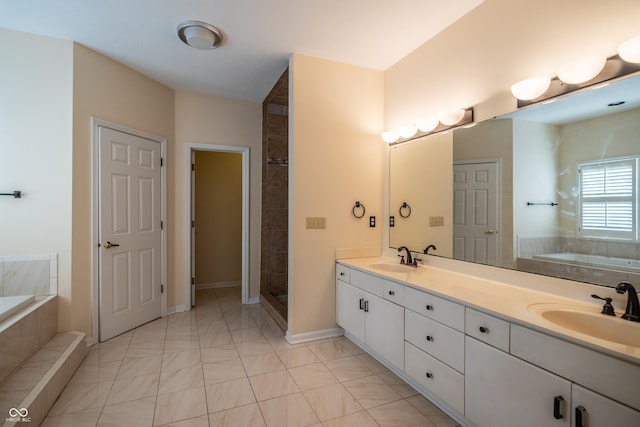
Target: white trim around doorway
(193,146)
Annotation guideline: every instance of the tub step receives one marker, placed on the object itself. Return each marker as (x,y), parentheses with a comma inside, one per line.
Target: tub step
(32,389)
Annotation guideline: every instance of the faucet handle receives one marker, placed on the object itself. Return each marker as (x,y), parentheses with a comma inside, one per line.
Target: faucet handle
(607,308)
(401,259)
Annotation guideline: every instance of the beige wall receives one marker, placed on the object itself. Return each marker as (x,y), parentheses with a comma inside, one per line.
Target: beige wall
(213,120)
(475,61)
(218,216)
(107,90)
(336,159)
(36,78)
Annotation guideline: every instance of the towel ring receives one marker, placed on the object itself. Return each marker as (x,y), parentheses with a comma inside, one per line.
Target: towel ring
(358,205)
(405,206)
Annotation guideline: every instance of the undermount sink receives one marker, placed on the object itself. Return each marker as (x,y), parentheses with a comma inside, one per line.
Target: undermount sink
(591,322)
(393,268)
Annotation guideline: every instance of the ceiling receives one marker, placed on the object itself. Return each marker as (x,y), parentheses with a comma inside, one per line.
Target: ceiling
(259,35)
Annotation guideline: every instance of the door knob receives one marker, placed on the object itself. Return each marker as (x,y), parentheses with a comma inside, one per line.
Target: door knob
(490,231)
(108,245)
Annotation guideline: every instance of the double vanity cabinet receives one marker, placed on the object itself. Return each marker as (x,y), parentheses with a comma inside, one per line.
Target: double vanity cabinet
(483,368)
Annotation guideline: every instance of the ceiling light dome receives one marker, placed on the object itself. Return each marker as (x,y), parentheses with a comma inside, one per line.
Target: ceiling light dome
(582,70)
(530,88)
(199,35)
(630,50)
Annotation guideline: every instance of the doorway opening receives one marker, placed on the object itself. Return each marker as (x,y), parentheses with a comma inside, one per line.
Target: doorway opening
(217,219)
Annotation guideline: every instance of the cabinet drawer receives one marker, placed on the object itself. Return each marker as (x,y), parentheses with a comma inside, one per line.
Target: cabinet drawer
(440,309)
(440,341)
(487,328)
(435,376)
(343,273)
(393,292)
(367,282)
(599,372)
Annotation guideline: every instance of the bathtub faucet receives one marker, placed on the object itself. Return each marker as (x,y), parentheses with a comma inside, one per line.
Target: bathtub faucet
(632,311)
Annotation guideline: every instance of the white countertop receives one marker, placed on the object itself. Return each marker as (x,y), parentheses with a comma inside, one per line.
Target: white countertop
(505,301)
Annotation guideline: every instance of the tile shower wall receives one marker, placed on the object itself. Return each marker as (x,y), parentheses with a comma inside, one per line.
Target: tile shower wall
(275,171)
(28,275)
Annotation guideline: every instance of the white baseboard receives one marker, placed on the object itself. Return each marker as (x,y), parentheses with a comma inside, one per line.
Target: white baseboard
(176,309)
(254,300)
(216,285)
(312,336)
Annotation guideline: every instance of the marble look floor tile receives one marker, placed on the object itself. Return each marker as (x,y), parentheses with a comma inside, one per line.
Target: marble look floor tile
(423,405)
(181,405)
(358,419)
(403,389)
(136,366)
(85,418)
(219,354)
(247,415)
(223,371)
(229,395)
(93,374)
(371,363)
(133,388)
(180,379)
(348,368)
(442,420)
(100,355)
(398,414)
(183,331)
(146,349)
(246,335)
(297,357)
(211,326)
(215,339)
(288,411)
(262,364)
(202,421)
(312,376)
(350,346)
(273,384)
(79,397)
(181,359)
(329,350)
(253,348)
(371,391)
(133,413)
(331,401)
(181,343)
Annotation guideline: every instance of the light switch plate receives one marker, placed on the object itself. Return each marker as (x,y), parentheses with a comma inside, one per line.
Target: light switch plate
(316,223)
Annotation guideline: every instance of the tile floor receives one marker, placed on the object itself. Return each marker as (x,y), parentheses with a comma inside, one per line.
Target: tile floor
(225,364)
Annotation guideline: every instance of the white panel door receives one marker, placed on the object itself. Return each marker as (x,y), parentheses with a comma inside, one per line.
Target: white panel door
(594,410)
(350,309)
(384,329)
(475,212)
(129,232)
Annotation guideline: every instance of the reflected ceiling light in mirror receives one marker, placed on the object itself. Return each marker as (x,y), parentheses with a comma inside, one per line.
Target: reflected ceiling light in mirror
(531,88)
(427,124)
(390,136)
(630,50)
(407,131)
(450,118)
(582,70)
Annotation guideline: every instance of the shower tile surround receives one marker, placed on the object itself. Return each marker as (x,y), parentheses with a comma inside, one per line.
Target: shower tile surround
(275,171)
(28,275)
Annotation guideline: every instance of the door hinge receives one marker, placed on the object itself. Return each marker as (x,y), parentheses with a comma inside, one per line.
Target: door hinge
(161,162)
(193,224)
(161,288)
(161,225)
(193,166)
(193,280)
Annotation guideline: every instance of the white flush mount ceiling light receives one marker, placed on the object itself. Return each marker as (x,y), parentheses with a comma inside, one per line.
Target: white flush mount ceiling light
(630,50)
(450,118)
(427,124)
(582,70)
(199,35)
(530,88)
(390,136)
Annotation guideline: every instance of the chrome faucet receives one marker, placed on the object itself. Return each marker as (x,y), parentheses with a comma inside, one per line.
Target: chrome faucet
(409,260)
(632,311)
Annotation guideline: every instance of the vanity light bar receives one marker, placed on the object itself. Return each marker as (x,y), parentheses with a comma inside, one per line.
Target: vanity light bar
(428,126)
(579,74)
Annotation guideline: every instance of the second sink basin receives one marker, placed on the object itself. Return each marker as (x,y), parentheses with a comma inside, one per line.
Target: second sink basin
(591,322)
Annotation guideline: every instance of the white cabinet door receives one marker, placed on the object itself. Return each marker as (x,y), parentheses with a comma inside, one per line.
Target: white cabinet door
(594,410)
(385,329)
(501,390)
(350,309)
